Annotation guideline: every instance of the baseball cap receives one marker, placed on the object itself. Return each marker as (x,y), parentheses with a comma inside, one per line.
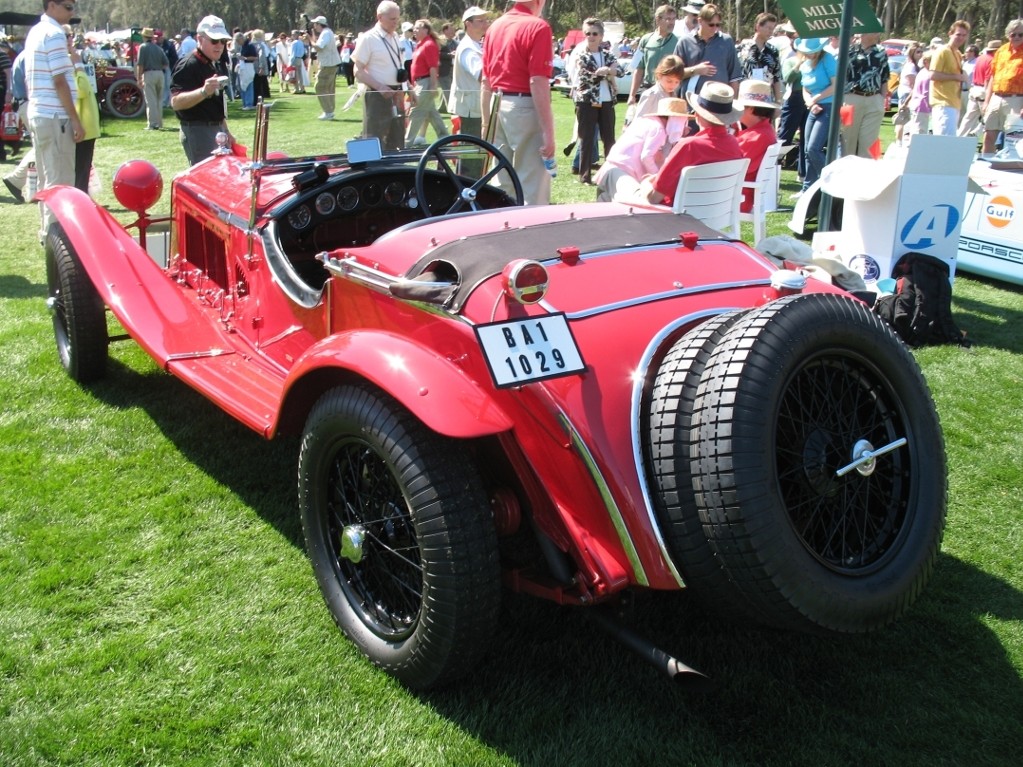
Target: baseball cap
(472,13)
(406,26)
(321,20)
(213,27)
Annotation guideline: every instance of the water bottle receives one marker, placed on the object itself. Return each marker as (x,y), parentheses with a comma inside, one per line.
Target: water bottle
(551,165)
(31,182)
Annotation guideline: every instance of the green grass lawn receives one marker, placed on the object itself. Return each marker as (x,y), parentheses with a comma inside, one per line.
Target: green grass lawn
(157,606)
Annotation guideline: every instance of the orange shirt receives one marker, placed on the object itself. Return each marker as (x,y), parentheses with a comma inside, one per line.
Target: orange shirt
(1007,71)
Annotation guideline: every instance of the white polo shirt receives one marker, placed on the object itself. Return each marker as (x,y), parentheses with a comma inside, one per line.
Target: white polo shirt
(379,55)
(46,58)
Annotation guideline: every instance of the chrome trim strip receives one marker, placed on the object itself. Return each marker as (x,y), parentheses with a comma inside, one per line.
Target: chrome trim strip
(681,291)
(611,507)
(348,267)
(638,381)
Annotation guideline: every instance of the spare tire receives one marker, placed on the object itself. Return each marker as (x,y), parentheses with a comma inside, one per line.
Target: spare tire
(669,443)
(811,530)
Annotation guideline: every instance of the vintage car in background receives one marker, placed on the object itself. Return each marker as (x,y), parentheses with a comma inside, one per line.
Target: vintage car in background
(577,402)
(117,90)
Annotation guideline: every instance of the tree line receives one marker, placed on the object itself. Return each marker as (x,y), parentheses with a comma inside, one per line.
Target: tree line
(918,19)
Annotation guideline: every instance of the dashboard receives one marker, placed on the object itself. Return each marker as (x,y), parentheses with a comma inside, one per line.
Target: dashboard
(354,209)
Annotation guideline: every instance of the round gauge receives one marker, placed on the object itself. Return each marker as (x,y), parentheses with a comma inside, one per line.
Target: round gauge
(325,203)
(300,217)
(348,198)
(372,195)
(394,193)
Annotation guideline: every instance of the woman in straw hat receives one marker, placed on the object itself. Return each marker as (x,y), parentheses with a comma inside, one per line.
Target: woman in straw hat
(642,149)
(715,111)
(818,72)
(756,97)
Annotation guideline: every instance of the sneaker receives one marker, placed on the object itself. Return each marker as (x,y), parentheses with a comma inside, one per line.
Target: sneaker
(326,116)
(798,194)
(15,192)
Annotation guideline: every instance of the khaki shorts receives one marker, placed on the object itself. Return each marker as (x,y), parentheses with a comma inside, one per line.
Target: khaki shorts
(999,109)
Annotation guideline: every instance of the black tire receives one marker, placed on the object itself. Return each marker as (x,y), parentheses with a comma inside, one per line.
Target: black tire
(400,535)
(79,317)
(125,99)
(669,445)
(783,404)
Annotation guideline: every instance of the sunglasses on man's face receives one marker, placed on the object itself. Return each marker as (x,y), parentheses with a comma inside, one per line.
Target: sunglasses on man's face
(593,34)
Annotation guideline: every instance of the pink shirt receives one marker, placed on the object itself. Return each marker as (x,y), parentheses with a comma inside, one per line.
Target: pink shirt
(639,152)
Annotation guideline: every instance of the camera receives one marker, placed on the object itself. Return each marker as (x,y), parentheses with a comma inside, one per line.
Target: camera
(401,76)
(221,82)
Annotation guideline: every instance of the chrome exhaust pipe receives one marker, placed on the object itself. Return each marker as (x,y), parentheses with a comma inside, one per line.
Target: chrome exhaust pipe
(676,670)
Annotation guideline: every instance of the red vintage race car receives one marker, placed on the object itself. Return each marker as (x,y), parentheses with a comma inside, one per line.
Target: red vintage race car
(574,401)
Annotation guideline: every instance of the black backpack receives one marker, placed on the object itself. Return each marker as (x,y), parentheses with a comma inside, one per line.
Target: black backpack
(920,310)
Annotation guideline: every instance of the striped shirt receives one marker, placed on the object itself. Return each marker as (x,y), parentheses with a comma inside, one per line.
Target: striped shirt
(46,58)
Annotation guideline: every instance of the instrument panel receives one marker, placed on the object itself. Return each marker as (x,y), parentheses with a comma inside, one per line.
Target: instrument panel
(353,209)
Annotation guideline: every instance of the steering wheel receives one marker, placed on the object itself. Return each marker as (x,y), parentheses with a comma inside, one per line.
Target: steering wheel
(465,196)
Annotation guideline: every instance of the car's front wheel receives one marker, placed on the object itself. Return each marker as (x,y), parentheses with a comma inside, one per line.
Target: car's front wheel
(79,317)
(400,535)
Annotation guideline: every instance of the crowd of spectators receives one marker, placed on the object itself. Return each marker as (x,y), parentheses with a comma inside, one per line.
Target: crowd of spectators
(411,77)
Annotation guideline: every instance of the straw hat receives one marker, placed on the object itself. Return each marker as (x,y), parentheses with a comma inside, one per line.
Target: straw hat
(756,93)
(672,107)
(993,45)
(714,103)
(810,45)
(147,32)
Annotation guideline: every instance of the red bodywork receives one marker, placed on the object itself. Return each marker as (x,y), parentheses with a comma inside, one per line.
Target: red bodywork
(227,316)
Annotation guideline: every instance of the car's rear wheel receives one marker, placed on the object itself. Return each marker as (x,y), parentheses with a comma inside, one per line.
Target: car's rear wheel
(79,317)
(806,525)
(400,535)
(124,98)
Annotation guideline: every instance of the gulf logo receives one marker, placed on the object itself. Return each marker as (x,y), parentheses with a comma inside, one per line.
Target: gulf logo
(999,211)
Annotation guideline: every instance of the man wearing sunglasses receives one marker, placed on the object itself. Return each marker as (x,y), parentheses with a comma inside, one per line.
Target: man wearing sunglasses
(709,55)
(1003,103)
(52,94)
(196,91)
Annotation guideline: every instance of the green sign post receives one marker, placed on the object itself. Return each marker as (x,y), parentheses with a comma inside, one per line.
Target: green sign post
(812,18)
(841,20)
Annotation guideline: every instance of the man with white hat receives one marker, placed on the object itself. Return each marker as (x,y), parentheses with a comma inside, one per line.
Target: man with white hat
(196,91)
(467,70)
(691,16)
(329,59)
(715,111)
(757,99)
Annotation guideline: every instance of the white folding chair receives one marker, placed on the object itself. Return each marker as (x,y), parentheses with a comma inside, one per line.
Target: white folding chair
(765,192)
(712,193)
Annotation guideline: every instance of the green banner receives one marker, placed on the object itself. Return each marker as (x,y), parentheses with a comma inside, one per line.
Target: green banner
(816,19)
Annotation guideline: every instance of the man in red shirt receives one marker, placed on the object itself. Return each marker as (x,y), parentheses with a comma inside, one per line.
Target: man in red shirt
(517,57)
(713,143)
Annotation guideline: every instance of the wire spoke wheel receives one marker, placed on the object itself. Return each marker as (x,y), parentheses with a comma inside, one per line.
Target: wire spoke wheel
(364,500)
(400,535)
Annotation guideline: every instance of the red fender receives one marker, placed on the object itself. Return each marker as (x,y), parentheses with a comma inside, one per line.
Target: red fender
(437,392)
(148,304)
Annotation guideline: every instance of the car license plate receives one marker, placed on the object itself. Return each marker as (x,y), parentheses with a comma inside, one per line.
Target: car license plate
(533,349)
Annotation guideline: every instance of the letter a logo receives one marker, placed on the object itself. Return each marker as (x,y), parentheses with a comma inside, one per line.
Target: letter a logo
(927,227)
